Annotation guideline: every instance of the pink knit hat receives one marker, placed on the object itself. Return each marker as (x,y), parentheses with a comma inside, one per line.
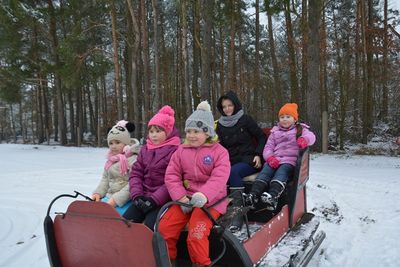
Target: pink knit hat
(164,119)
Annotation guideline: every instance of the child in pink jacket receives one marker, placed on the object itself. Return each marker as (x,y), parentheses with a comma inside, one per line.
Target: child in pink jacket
(197,174)
(280,154)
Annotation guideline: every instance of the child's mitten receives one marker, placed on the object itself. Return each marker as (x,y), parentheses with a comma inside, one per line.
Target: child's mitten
(302,142)
(198,200)
(273,162)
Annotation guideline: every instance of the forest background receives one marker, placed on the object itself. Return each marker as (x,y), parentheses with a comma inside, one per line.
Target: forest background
(70,69)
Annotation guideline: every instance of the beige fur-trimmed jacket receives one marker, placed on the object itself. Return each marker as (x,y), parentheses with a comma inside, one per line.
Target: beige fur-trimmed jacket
(115,185)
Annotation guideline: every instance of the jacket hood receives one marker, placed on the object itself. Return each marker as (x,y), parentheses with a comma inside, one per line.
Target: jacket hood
(174,133)
(232,97)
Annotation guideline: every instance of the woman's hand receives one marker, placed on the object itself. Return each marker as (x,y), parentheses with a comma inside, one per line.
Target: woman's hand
(257,162)
(111,202)
(96,197)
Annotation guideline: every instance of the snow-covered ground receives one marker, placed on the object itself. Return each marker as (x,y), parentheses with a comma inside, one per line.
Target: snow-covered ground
(356,198)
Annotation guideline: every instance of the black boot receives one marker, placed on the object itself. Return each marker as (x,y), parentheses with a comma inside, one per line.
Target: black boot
(257,188)
(237,202)
(272,196)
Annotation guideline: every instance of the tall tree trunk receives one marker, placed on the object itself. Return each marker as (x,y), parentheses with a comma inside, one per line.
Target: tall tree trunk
(196,52)
(79,116)
(46,110)
(91,110)
(240,85)
(357,70)
(257,89)
(222,63)
(127,59)
(146,64)
(57,78)
(304,53)
(294,87)
(232,83)
(117,80)
(278,94)
(135,55)
(314,93)
(208,7)
(367,70)
(156,23)
(72,117)
(185,65)
(385,67)
(96,115)
(341,109)
(323,68)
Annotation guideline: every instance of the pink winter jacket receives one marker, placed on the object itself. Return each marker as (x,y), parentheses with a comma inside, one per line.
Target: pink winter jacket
(202,169)
(282,143)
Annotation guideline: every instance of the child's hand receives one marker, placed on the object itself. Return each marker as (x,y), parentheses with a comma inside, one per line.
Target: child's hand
(96,197)
(302,142)
(273,162)
(257,162)
(186,200)
(111,202)
(146,204)
(198,200)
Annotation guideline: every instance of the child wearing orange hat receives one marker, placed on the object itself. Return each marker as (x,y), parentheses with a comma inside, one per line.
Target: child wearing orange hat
(280,154)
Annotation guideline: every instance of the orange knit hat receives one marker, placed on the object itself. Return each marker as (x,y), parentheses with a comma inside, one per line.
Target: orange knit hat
(289,109)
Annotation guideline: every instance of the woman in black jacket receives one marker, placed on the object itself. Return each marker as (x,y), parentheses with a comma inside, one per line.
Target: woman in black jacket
(244,140)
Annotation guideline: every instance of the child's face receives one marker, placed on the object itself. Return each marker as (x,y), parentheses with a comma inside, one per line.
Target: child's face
(116,147)
(157,136)
(195,138)
(286,121)
(228,107)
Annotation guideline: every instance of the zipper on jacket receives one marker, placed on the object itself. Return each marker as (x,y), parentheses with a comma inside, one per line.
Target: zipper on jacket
(195,163)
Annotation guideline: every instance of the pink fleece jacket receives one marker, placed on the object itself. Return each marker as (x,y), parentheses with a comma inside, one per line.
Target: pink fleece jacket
(202,169)
(282,143)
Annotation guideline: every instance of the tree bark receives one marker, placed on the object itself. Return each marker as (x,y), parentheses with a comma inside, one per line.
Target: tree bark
(146,64)
(117,80)
(196,52)
(385,67)
(277,89)
(232,82)
(208,7)
(294,87)
(156,22)
(304,53)
(357,71)
(314,93)
(184,50)
(257,89)
(57,79)
(134,55)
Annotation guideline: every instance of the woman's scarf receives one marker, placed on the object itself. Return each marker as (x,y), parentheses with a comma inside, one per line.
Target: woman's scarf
(123,162)
(173,141)
(229,121)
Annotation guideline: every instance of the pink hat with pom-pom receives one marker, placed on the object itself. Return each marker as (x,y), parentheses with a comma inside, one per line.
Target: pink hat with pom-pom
(164,119)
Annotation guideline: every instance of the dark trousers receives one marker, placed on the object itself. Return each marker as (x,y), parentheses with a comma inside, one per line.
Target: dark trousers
(238,172)
(138,216)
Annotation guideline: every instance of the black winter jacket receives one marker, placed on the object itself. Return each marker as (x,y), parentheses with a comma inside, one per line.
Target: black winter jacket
(245,139)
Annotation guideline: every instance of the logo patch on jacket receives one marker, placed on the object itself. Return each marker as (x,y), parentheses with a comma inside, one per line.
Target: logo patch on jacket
(208,160)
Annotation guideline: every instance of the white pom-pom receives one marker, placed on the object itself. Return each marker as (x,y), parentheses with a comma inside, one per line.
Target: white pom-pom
(204,106)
